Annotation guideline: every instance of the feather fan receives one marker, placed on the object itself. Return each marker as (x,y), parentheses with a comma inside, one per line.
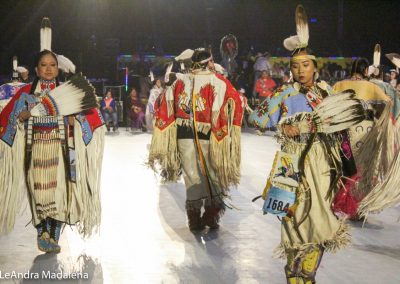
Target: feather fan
(74,96)
(339,112)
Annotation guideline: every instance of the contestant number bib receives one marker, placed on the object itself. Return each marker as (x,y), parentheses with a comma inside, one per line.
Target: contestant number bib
(278,201)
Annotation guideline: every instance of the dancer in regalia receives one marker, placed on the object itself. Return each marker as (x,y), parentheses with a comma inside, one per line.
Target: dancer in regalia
(197,131)
(311,123)
(51,140)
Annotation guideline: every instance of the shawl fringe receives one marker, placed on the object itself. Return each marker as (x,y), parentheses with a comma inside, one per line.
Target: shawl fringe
(12,180)
(88,164)
(379,162)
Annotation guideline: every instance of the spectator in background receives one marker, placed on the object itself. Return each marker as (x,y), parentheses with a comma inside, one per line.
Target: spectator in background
(286,78)
(154,94)
(108,109)
(277,72)
(393,77)
(265,85)
(135,112)
(261,64)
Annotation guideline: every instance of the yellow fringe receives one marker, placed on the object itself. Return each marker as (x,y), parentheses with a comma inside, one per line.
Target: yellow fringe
(164,150)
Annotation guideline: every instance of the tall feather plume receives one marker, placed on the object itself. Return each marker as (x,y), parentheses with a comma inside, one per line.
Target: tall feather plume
(377,55)
(302,26)
(65,64)
(301,39)
(74,96)
(15,63)
(374,68)
(151,76)
(168,71)
(45,34)
(395,58)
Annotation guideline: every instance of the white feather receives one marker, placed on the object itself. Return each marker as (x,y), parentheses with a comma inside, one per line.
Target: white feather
(65,64)
(219,68)
(69,98)
(21,69)
(151,76)
(339,112)
(302,26)
(291,43)
(395,58)
(15,63)
(168,71)
(186,54)
(372,70)
(377,55)
(45,34)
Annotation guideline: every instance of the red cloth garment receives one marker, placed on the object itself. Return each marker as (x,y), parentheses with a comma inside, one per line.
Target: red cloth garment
(345,201)
(265,86)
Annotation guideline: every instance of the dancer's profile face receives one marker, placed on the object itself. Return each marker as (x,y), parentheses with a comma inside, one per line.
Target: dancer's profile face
(47,68)
(303,71)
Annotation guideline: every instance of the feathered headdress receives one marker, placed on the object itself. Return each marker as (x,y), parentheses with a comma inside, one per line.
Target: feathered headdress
(185,55)
(300,40)
(168,71)
(45,34)
(374,68)
(151,75)
(15,66)
(15,63)
(64,63)
(395,59)
(74,96)
(21,69)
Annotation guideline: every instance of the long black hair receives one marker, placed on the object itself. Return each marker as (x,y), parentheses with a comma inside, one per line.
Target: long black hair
(38,57)
(359,66)
(198,56)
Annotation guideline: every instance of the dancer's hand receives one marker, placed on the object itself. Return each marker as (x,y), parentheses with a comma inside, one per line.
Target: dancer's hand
(291,131)
(24,115)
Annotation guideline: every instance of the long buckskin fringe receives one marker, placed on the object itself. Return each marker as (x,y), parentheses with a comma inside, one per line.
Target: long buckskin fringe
(88,167)
(383,144)
(340,240)
(164,150)
(225,154)
(12,180)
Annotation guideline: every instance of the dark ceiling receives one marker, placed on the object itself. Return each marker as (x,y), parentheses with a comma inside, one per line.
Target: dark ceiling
(90,32)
